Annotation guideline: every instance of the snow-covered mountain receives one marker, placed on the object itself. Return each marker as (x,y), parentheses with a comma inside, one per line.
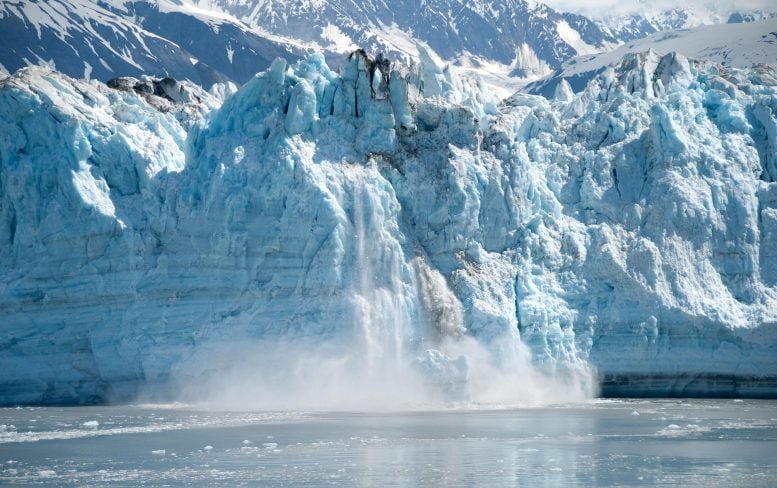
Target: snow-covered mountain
(381,230)
(638,20)
(633,26)
(208,41)
(105,39)
(743,17)
(452,28)
(735,45)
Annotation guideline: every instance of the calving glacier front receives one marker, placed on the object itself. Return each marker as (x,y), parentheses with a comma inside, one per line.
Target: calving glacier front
(394,234)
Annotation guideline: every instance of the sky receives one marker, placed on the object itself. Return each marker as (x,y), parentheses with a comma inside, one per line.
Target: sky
(614,7)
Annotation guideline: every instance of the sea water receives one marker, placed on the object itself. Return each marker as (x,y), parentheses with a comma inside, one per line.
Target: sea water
(598,443)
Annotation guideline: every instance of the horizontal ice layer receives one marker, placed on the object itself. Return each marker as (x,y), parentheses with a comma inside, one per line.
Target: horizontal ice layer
(632,226)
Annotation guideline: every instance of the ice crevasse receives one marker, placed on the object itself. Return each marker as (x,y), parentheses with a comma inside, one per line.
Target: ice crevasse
(396,222)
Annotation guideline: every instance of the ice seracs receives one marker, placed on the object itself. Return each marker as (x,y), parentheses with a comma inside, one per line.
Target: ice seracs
(341,230)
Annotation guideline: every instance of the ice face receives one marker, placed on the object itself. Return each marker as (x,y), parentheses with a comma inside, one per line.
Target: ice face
(386,232)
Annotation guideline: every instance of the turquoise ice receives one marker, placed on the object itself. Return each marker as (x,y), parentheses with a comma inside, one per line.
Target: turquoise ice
(389,230)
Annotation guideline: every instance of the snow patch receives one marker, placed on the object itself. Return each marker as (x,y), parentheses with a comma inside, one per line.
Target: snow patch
(572,37)
(230,53)
(338,40)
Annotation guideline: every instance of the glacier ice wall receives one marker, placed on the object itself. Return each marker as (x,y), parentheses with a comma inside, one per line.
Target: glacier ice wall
(390,222)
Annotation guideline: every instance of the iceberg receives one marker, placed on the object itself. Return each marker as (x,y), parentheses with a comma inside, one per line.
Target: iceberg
(388,232)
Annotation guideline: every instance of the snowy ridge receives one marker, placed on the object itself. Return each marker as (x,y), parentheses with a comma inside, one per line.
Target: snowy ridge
(735,45)
(209,41)
(628,21)
(634,26)
(507,43)
(493,31)
(397,223)
(106,39)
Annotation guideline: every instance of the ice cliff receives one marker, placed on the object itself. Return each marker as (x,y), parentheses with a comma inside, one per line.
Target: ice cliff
(401,213)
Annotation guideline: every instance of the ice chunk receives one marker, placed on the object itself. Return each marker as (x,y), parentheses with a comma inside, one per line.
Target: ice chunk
(302,108)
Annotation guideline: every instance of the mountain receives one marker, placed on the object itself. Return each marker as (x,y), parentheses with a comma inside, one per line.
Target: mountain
(490,30)
(643,20)
(386,230)
(506,43)
(739,17)
(105,39)
(633,26)
(209,41)
(731,45)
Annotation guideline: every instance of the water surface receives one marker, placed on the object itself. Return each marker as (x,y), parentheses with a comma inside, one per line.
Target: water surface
(602,443)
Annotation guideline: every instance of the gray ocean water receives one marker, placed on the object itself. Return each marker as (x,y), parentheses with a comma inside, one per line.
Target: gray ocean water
(601,443)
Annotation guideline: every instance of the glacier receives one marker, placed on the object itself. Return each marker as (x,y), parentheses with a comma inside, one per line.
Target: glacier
(389,232)
(734,45)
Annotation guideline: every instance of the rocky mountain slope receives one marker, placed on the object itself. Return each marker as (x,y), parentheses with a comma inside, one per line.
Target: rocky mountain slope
(106,39)
(215,41)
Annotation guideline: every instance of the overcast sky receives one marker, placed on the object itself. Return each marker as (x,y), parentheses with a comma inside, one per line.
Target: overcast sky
(628,6)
